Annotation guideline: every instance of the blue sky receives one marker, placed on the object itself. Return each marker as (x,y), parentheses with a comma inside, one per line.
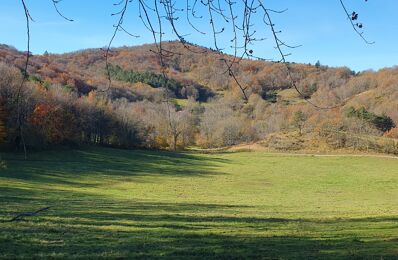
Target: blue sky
(319,26)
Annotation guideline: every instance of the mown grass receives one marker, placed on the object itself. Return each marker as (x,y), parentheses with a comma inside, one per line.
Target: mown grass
(108,203)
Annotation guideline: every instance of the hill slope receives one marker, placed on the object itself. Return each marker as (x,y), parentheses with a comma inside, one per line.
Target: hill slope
(199,74)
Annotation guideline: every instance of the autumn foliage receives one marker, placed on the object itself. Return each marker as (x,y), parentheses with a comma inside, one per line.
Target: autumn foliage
(66,101)
(56,124)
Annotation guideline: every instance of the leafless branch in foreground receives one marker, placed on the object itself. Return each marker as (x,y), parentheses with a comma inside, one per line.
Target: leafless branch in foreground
(232,16)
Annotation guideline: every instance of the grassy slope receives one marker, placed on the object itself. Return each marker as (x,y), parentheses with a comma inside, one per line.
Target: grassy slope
(113,203)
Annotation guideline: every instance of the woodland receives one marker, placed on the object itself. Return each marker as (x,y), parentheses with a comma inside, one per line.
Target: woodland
(66,101)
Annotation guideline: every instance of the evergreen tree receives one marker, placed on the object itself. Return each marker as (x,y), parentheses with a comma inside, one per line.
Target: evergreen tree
(299,119)
(383,122)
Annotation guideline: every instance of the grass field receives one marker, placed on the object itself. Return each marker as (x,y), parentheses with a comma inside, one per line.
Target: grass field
(125,204)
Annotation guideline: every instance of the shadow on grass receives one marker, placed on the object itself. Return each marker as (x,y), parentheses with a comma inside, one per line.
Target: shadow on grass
(87,226)
(69,167)
(95,229)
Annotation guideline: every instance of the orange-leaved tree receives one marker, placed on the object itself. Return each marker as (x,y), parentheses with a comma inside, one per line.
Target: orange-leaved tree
(56,124)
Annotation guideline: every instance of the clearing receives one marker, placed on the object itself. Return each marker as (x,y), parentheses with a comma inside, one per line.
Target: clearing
(144,204)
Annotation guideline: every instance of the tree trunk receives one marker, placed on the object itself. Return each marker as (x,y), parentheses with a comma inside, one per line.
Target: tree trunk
(175,142)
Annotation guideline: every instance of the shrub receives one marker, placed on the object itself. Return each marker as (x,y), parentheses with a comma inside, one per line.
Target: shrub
(392,133)
(284,142)
(383,122)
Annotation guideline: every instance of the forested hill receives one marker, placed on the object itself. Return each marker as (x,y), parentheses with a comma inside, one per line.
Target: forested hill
(191,71)
(75,85)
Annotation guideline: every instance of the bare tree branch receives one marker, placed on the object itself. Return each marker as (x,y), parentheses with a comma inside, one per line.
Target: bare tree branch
(224,15)
(355,26)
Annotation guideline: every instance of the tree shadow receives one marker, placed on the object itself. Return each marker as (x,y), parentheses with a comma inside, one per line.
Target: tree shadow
(72,167)
(177,231)
(92,226)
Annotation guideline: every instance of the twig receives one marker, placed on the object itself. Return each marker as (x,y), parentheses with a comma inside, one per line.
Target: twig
(354,26)
(27,214)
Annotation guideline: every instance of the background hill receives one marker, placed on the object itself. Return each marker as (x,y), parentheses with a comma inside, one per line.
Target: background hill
(67,101)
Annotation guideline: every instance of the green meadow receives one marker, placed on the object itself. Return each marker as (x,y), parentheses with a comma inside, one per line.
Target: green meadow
(108,203)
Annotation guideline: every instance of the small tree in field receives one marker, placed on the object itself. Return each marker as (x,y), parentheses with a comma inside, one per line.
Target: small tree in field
(298,120)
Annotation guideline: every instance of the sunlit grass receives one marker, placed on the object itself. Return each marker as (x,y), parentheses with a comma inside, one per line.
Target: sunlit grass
(115,203)
(180,103)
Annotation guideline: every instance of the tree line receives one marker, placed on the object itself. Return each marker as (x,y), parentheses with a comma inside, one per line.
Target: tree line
(63,102)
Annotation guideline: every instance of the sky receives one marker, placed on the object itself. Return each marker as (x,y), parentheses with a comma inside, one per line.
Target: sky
(320,27)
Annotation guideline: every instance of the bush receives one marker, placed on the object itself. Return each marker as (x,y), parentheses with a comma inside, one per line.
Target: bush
(383,122)
(393,133)
(283,142)
(356,134)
